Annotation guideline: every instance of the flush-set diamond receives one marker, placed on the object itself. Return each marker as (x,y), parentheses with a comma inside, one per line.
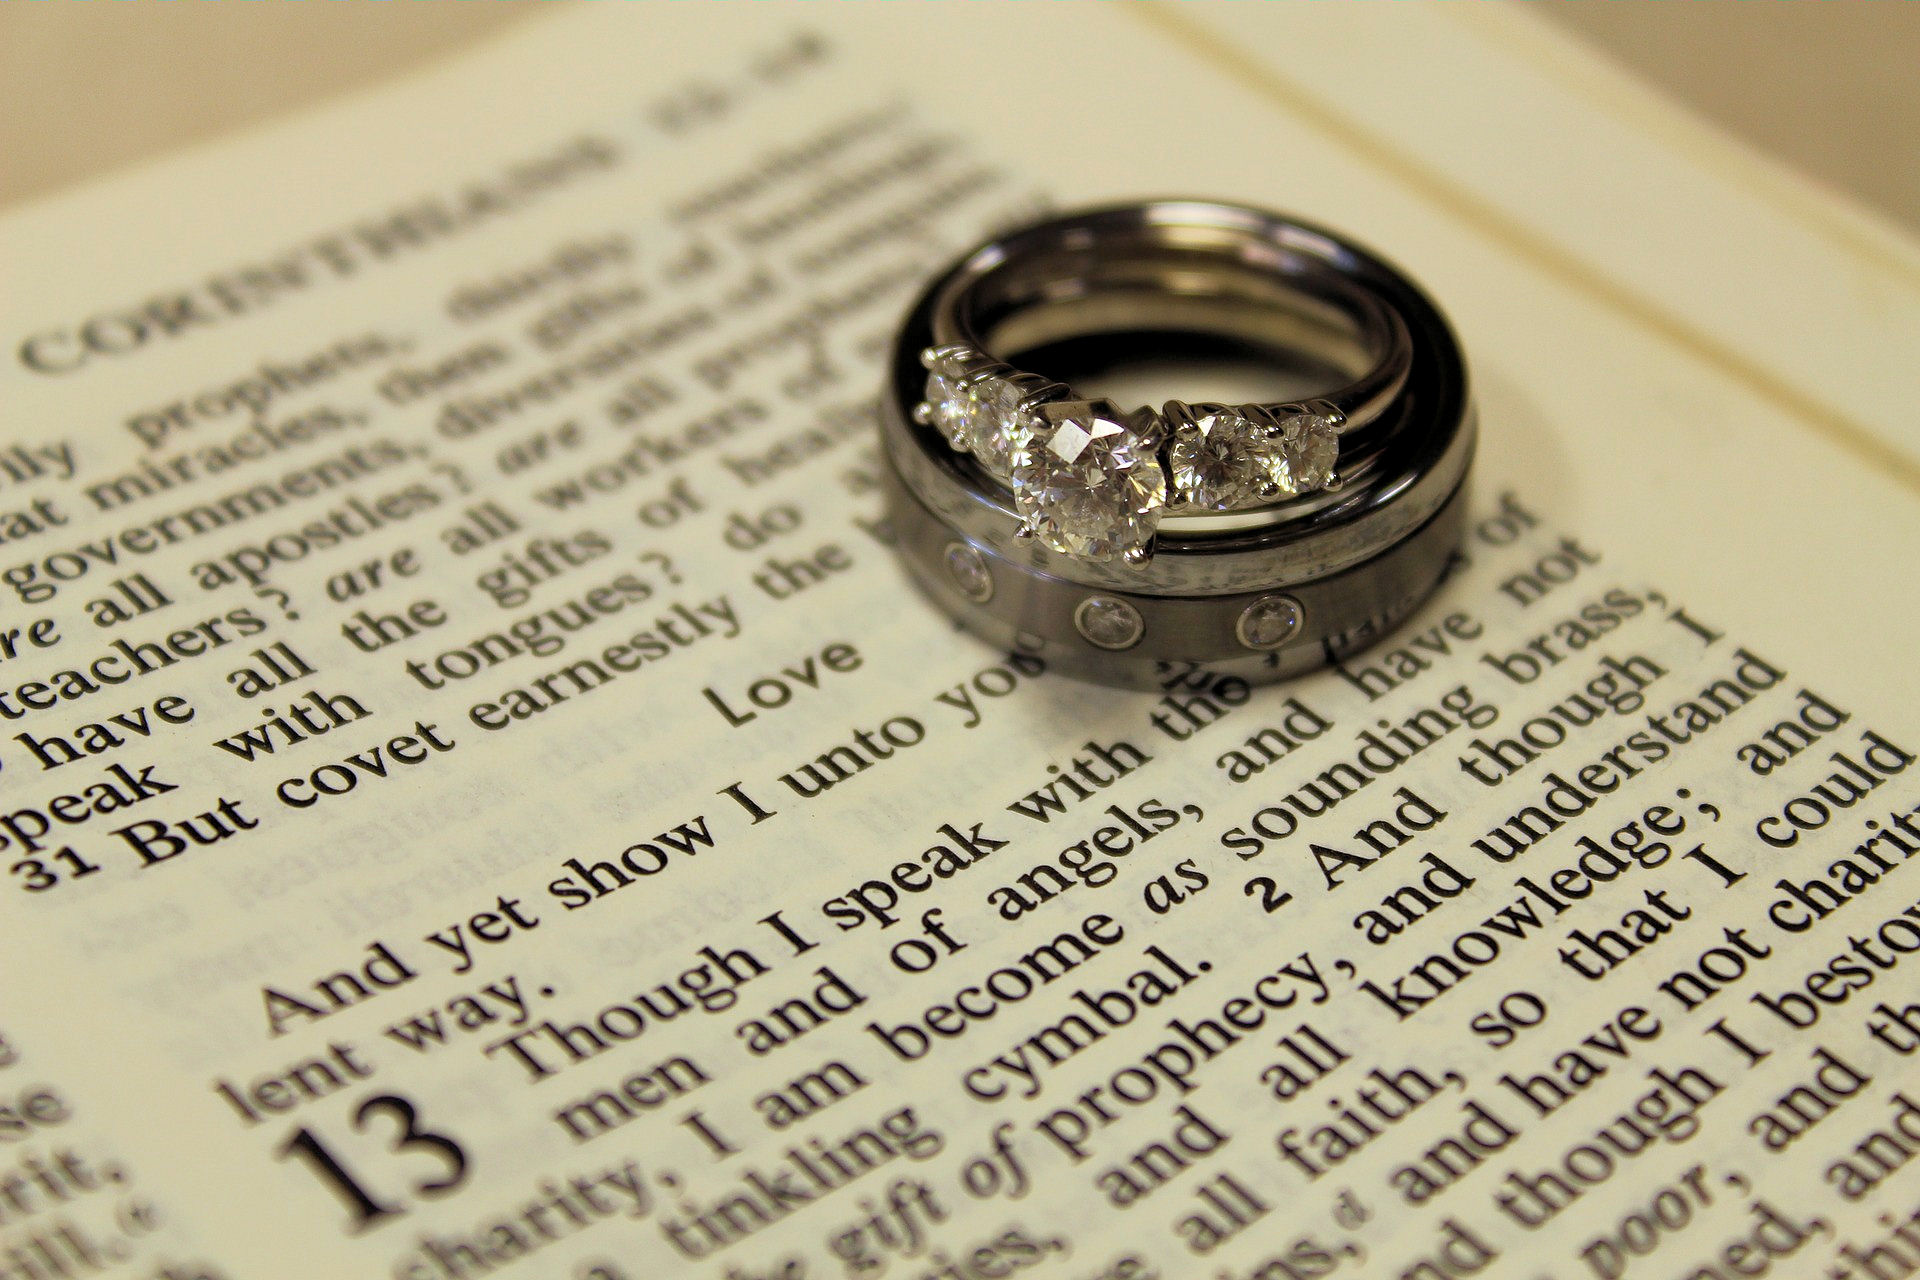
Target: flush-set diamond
(1091,481)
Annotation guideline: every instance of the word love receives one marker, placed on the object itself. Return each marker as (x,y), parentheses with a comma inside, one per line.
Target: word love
(770,693)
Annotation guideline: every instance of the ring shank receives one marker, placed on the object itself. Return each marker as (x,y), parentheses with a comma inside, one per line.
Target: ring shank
(1196,267)
(1279,323)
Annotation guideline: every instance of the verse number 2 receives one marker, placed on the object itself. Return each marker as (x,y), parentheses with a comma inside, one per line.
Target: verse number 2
(1267,889)
(366,1208)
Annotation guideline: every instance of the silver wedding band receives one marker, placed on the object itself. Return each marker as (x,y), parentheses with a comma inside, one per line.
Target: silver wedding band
(1068,527)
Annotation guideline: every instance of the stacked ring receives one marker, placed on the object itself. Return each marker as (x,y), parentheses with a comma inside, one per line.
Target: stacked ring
(1258,539)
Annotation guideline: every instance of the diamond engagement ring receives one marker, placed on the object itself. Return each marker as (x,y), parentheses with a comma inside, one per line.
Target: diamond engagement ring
(1262,538)
(1092,480)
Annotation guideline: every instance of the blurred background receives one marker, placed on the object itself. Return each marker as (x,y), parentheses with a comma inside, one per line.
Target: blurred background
(85,87)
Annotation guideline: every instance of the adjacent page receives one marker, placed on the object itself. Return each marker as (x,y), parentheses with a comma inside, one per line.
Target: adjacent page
(480,798)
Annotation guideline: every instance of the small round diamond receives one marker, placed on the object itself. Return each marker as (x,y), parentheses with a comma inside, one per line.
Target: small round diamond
(995,425)
(945,407)
(1269,622)
(1086,484)
(1108,623)
(1218,461)
(1299,458)
(969,572)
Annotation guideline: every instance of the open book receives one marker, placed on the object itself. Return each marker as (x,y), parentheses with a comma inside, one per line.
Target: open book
(482,799)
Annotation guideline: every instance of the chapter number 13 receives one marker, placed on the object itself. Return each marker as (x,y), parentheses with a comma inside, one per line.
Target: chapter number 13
(367,1207)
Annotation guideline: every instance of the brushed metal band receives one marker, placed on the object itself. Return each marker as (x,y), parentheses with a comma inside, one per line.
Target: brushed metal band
(1264,593)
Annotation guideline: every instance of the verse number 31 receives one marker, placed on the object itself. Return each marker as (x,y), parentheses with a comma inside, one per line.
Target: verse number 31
(367,1209)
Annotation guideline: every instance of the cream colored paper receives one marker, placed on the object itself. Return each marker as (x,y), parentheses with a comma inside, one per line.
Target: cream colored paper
(1693,460)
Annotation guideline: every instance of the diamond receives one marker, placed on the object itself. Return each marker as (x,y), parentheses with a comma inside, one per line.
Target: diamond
(1086,483)
(947,405)
(1269,622)
(969,572)
(1108,623)
(1300,451)
(995,425)
(1218,461)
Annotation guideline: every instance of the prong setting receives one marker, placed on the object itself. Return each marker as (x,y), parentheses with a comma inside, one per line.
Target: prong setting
(1028,432)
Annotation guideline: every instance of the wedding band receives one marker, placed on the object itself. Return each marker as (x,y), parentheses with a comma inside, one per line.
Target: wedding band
(1064,526)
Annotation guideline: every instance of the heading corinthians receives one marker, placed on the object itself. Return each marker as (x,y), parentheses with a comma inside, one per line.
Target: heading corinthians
(336,254)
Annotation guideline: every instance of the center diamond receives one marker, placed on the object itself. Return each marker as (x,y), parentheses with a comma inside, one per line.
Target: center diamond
(1086,483)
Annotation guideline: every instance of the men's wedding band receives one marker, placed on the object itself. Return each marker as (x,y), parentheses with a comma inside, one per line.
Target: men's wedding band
(1258,538)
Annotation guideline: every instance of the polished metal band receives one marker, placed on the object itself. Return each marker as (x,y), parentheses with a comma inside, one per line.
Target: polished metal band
(1202,267)
(1265,590)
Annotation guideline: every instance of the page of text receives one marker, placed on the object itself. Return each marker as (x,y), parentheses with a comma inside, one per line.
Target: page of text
(479,797)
